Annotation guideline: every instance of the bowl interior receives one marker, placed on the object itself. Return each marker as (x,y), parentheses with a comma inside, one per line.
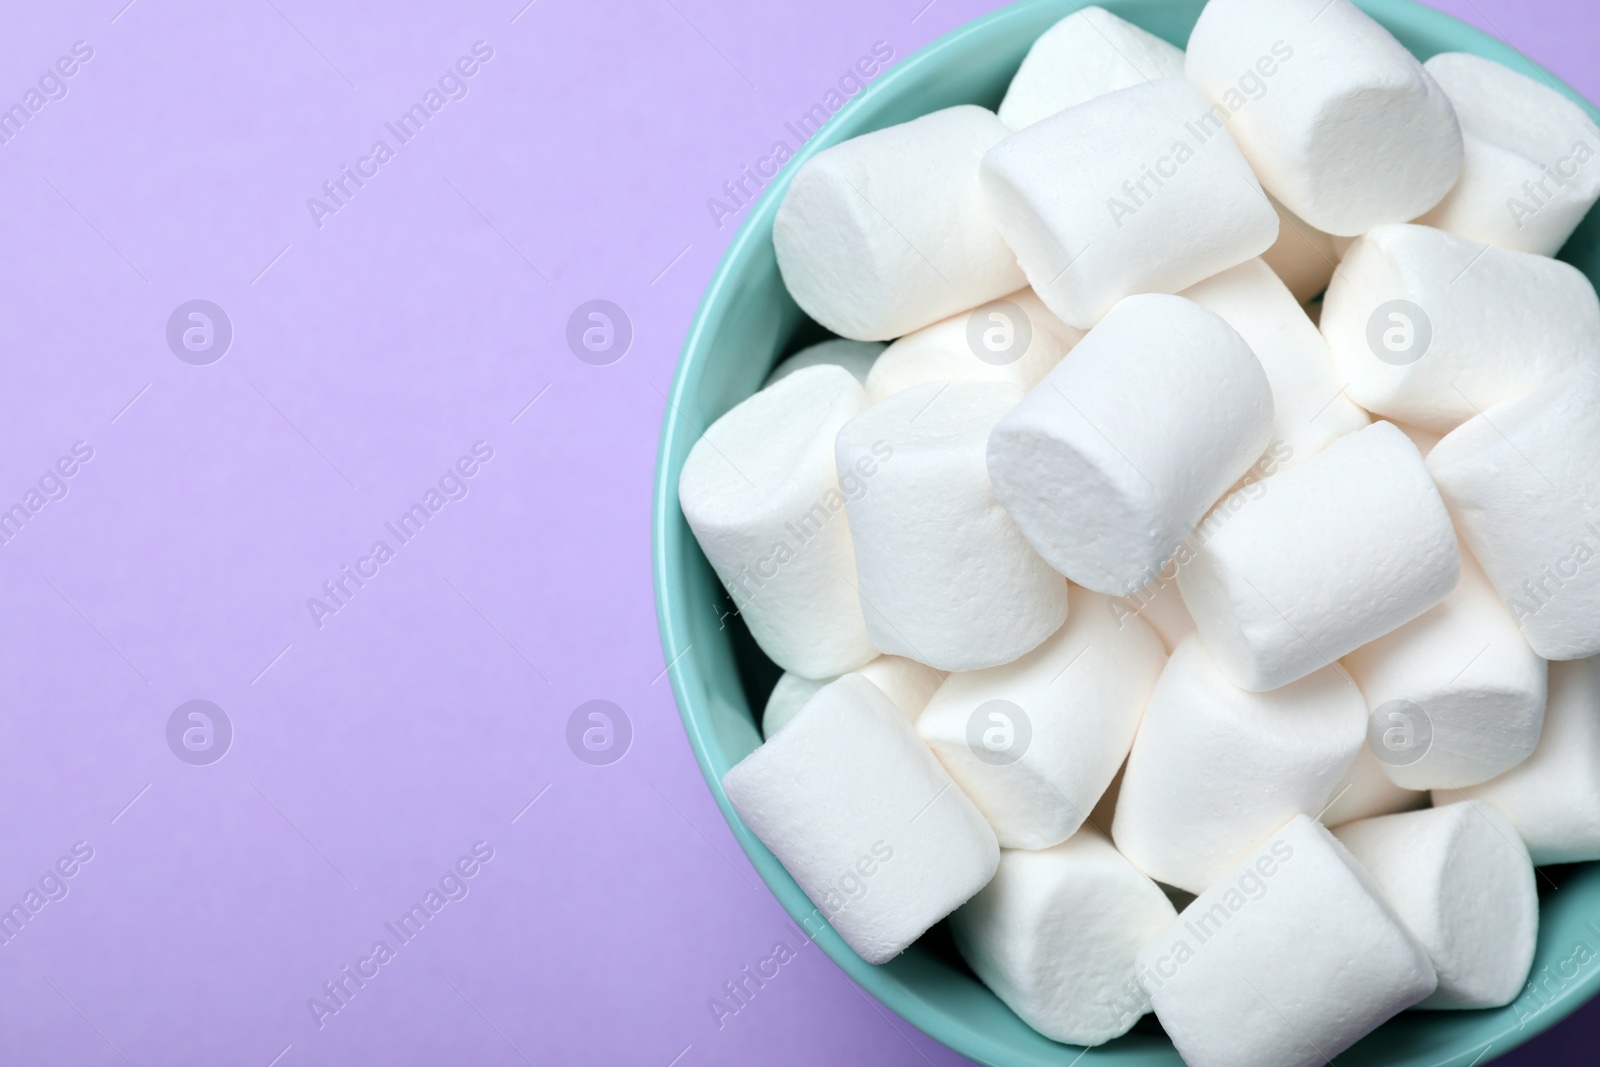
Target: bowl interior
(747,322)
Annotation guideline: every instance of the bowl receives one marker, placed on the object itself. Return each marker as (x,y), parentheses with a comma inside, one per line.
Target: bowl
(747,322)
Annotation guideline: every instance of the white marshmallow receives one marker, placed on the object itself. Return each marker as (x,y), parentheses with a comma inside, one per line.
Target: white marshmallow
(1159,605)
(1460,879)
(905,681)
(1089,53)
(1310,408)
(1342,123)
(1553,797)
(1015,340)
(1528,176)
(1303,256)
(857,357)
(762,495)
(1055,933)
(1125,194)
(1522,481)
(1286,961)
(1423,439)
(1112,459)
(945,577)
(885,233)
(1337,551)
(1035,743)
(847,791)
(1429,328)
(1366,791)
(1215,769)
(1456,695)
(786,699)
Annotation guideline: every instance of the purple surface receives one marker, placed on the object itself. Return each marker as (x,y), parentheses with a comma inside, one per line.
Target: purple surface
(377,744)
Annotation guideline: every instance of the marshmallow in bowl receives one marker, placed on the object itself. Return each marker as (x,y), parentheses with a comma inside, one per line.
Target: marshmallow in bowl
(845,793)
(857,357)
(1128,193)
(1216,769)
(1335,552)
(945,576)
(1110,461)
(1429,328)
(1366,791)
(1526,178)
(1055,935)
(1089,53)
(905,681)
(763,497)
(887,233)
(1303,256)
(1343,125)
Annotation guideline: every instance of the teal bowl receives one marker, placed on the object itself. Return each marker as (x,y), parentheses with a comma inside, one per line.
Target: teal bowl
(747,322)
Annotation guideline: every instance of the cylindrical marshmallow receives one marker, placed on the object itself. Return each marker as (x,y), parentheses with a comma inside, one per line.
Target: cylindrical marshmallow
(886,233)
(1109,462)
(905,681)
(1342,123)
(1159,605)
(1303,256)
(1429,328)
(1089,53)
(857,357)
(944,575)
(1036,742)
(1336,551)
(765,501)
(1215,769)
(1366,791)
(1132,192)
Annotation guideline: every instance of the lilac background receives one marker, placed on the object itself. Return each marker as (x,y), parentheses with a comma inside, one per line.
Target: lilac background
(370,353)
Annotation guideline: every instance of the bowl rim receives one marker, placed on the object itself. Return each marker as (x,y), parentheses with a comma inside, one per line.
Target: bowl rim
(1397,16)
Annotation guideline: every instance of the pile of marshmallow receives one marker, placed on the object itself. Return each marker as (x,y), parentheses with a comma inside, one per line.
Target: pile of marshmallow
(1130,568)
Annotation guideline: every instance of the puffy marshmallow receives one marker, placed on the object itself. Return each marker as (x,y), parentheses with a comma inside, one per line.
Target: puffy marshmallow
(905,681)
(1429,328)
(1336,551)
(1112,459)
(1342,123)
(847,793)
(1089,53)
(1128,193)
(1015,339)
(762,495)
(1526,178)
(1460,879)
(945,577)
(1035,743)
(1309,405)
(885,233)
(1456,690)
(857,357)
(1055,935)
(786,699)
(1553,797)
(1303,256)
(1160,605)
(1366,791)
(1522,481)
(1215,769)
(1286,961)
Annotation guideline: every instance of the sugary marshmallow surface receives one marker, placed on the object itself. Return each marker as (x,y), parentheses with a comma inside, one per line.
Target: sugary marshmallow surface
(1303,256)
(1055,935)
(1286,961)
(846,794)
(1109,462)
(886,233)
(1015,340)
(1216,769)
(1310,408)
(905,681)
(1036,742)
(1127,193)
(1335,552)
(762,495)
(1527,178)
(1522,481)
(1459,878)
(1456,693)
(1429,328)
(1342,123)
(786,699)
(1160,605)
(1553,797)
(1089,53)
(857,357)
(1366,791)
(944,575)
